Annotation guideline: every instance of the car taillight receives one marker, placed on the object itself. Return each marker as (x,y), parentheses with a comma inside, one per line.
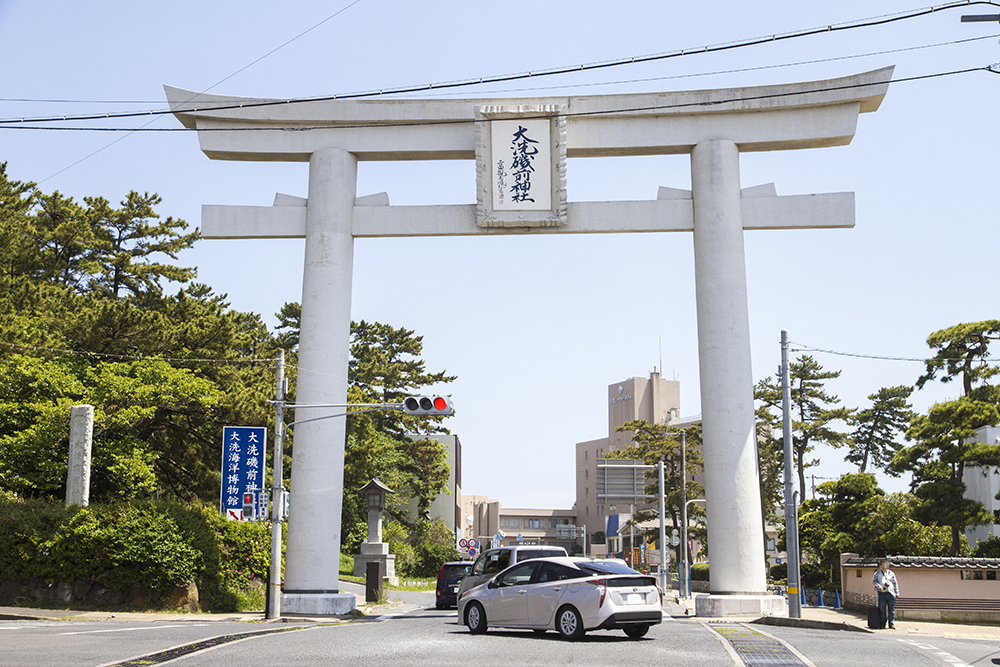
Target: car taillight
(602,586)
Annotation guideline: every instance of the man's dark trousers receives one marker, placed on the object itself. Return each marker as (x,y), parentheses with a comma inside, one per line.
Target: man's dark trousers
(887,608)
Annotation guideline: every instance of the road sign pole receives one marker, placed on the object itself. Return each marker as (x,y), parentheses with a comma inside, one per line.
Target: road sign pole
(684,589)
(662,569)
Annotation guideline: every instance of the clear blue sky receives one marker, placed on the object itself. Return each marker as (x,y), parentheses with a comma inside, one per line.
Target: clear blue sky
(537,327)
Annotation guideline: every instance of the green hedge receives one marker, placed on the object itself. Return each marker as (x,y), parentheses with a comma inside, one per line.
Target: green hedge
(153,545)
(699,572)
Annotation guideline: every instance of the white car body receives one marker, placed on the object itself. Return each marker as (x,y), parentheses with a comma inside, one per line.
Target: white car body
(568,595)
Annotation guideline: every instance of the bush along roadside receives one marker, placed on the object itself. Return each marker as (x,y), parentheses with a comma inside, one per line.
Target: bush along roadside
(137,554)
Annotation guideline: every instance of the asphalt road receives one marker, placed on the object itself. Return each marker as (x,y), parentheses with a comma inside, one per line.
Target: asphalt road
(428,637)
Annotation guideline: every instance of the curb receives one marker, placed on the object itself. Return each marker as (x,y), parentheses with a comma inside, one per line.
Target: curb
(809,623)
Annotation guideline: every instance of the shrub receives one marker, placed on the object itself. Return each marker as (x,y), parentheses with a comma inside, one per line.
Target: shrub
(151,545)
(990,548)
(779,571)
(699,572)
(430,557)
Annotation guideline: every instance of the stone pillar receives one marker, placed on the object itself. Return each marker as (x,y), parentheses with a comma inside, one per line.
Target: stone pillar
(312,559)
(81,433)
(374,525)
(735,529)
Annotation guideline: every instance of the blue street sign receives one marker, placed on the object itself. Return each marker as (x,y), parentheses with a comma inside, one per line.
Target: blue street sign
(243,449)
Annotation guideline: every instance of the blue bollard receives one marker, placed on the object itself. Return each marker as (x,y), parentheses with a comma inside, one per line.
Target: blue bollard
(820,598)
(836,599)
(802,597)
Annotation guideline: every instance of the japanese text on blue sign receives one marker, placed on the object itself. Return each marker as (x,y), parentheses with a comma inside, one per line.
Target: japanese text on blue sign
(243,452)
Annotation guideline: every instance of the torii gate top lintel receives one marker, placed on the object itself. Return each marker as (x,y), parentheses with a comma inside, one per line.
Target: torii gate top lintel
(813,114)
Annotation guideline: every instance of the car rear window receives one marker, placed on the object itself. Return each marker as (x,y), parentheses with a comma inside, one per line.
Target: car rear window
(631,582)
(606,567)
(455,571)
(539,553)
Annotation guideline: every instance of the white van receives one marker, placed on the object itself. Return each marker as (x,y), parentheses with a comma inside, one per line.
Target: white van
(494,561)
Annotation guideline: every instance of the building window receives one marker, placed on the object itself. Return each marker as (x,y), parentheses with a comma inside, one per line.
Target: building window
(586,473)
(770,544)
(588,510)
(991,575)
(978,575)
(586,455)
(557,522)
(858,572)
(532,523)
(966,574)
(586,492)
(510,522)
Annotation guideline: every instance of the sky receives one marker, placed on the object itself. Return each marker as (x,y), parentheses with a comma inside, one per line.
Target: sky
(537,327)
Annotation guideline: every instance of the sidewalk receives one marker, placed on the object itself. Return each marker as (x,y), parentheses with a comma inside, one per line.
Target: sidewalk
(827,618)
(399,602)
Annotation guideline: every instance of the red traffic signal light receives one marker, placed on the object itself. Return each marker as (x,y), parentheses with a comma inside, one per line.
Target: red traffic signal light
(428,405)
(248,513)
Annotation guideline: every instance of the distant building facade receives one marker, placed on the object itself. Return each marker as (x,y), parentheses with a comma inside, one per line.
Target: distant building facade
(983,484)
(447,506)
(486,519)
(652,399)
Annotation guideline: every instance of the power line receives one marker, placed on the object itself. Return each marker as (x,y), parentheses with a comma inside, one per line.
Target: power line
(632,60)
(617,82)
(127,357)
(737,70)
(458,121)
(109,145)
(887,358)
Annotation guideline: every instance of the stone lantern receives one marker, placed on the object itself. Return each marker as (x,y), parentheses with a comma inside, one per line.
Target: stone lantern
(375,550)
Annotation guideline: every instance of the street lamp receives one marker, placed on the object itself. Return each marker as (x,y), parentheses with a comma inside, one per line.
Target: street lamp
(684,567)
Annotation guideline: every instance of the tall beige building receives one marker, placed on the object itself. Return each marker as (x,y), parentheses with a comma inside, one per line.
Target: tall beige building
(654,400)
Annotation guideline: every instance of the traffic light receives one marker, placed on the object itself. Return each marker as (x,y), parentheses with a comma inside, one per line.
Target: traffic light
(248,506)
(427,405)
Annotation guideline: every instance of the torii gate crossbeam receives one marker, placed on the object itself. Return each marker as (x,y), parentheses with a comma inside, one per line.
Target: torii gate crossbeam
(713,126)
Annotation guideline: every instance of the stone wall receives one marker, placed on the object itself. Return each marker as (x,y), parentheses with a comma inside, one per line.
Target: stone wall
(93,594)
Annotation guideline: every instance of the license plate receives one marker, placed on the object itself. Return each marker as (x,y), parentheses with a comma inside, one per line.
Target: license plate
(454,589)
(635,598)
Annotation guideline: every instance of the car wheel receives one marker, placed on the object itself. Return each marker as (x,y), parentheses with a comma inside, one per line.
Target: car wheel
(569,623)
(636,631)
(475,618)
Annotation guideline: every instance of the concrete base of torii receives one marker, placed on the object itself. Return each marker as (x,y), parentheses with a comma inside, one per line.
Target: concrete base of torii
(318,604)
(720,606)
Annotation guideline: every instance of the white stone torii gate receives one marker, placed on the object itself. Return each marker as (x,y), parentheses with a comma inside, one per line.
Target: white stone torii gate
(714,126)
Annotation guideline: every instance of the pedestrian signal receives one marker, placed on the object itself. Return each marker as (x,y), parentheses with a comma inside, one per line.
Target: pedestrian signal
(248,514)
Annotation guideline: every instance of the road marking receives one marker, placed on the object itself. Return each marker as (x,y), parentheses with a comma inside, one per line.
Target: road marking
(945,657)
(753,648)
(150,627)
(195,647)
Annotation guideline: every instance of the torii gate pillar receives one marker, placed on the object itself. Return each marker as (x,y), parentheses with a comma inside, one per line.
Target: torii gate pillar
(726,377)
(314,530)
(713,126)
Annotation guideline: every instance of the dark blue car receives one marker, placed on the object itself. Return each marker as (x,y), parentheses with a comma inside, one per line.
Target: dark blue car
(449,579)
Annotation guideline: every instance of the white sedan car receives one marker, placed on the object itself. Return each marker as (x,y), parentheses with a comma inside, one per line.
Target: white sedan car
(568,595)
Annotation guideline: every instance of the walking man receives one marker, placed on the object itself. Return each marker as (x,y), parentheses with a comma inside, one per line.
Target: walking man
(888,589)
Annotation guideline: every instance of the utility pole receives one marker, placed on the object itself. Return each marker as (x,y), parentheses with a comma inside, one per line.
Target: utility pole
(277,490)
(682,568)
(791,515)
(662,569)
